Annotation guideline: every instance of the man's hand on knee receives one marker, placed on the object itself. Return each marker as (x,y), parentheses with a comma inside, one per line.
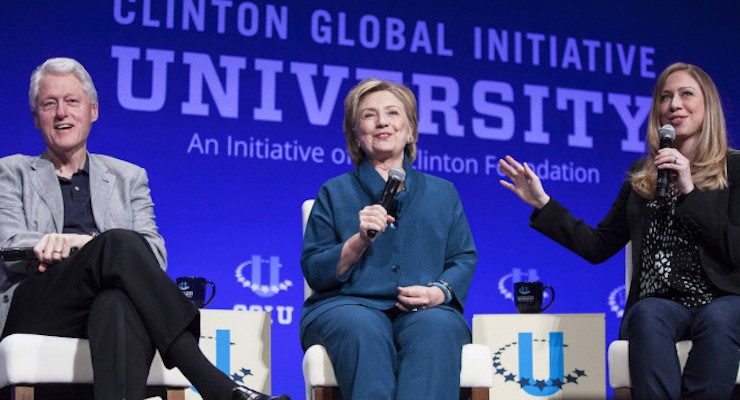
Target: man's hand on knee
(55,247)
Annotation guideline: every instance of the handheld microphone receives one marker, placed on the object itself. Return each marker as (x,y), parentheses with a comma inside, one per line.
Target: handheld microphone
(23,253)
(666,133)
(396,176)
(17,254)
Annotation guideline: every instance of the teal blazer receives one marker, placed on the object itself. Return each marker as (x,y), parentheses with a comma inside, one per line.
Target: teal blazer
(431,240)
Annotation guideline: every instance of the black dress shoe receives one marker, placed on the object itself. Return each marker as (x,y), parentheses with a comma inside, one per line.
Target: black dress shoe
(245,393)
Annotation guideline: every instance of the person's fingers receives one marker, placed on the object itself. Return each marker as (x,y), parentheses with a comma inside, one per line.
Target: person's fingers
(403,307)
(528,170)
(48,250)
(55,248)
(40,247)
(517,165)
(373,218)
(505,167)
(507,185)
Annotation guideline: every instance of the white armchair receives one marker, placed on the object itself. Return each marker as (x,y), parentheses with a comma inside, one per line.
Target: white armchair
(476,373)
(27,360)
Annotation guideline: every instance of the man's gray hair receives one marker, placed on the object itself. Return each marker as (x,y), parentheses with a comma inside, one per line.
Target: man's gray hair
(61,65)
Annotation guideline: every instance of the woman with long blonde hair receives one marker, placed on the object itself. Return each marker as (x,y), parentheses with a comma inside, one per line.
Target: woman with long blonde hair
(685,242)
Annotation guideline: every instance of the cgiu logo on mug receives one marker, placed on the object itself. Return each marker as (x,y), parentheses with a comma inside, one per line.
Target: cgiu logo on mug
(194,288)
(528,297)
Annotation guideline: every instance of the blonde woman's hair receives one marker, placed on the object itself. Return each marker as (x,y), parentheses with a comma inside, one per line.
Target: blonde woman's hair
(351,113)
(708,167)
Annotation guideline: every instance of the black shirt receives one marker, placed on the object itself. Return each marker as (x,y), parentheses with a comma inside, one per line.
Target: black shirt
(78,215)
(671,264)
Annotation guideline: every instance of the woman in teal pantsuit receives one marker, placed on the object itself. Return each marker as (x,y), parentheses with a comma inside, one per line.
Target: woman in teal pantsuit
(388,308)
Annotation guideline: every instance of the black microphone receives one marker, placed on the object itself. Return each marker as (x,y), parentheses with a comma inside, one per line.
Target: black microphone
(666,133)
(396,176)
(23,253)
(17,254)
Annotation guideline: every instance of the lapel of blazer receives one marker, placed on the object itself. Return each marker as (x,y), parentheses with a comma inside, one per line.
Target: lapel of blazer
(101,188)
(46,184)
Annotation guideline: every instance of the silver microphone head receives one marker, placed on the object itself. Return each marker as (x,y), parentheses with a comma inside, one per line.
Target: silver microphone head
(397,173)
(667,132)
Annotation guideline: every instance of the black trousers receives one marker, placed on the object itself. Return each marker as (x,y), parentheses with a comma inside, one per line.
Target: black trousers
(113,292)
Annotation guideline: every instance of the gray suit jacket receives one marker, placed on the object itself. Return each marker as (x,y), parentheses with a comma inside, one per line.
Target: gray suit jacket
(31,206)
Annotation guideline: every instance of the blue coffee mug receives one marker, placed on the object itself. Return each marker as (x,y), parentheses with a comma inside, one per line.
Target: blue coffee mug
(528,297)
(194,288)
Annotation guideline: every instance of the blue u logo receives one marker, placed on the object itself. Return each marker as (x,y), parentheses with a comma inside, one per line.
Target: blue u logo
(526,375)
(255,281)
(223,352)
(274,274)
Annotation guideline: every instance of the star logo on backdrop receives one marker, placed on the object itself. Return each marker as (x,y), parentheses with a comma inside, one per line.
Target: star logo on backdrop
(253,278)
(241,374)
(617,300)
(498,362)
(236,376)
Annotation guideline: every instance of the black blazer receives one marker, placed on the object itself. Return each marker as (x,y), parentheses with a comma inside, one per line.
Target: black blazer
(714,215)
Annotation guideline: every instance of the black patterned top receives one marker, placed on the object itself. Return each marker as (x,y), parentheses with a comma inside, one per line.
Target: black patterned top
(671,266)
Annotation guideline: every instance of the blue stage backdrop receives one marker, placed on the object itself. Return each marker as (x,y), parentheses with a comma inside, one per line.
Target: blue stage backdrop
(235,110)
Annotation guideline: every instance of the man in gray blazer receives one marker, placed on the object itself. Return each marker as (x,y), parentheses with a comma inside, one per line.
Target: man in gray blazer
(97,269)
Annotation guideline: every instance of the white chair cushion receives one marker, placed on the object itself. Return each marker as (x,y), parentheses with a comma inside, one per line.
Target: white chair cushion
(619,369)
(317,368)
(476,369)
(35,359)
(619,374)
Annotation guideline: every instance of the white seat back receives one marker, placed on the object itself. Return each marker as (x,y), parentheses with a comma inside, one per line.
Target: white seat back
(306,212)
